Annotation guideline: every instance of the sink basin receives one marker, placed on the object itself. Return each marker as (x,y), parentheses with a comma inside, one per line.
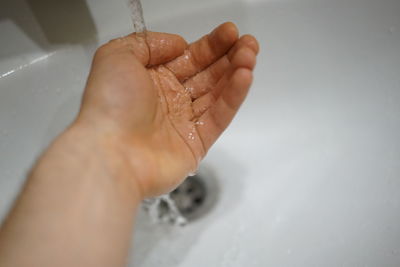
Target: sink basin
(308,173)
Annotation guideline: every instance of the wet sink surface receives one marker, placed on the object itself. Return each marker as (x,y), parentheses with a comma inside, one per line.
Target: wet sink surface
(307,175)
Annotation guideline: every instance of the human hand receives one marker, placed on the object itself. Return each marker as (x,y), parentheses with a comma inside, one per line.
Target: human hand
(160,104)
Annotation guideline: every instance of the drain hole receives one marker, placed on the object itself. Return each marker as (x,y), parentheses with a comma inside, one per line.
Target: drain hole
(190,197)
(195,197)
(198,201)
(189,190)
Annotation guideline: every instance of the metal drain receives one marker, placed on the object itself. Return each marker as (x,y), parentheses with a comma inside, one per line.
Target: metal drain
(190,196)
(195,197)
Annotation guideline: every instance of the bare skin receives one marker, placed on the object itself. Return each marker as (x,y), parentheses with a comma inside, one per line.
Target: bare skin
(152,108)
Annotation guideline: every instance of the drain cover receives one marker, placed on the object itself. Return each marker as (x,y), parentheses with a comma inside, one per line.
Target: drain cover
(190,196)
(194,198)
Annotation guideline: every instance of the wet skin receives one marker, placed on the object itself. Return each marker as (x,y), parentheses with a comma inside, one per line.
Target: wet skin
(156,96)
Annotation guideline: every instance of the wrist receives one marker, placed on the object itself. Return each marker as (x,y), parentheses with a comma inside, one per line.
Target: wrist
(94,155)
(140,158)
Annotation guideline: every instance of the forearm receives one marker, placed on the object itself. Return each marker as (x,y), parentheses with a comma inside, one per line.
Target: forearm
(76,209)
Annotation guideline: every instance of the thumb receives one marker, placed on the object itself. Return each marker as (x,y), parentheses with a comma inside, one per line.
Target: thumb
(154,48)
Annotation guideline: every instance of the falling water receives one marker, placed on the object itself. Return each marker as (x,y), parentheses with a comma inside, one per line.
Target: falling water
(161,209)
(137,16)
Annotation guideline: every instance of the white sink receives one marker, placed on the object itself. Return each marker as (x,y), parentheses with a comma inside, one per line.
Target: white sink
(309,172)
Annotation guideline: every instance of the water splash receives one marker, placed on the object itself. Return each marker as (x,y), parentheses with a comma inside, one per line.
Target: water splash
(164,210)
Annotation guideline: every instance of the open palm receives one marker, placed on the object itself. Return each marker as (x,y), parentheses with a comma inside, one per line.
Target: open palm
(168,101)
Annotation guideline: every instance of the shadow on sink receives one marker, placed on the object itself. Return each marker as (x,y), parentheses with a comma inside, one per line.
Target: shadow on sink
(46,23)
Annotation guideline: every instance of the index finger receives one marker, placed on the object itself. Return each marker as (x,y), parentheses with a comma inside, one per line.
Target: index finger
(204,52)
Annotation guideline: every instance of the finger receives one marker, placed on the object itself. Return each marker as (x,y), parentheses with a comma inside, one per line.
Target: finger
(164,47)
(215,120)
(205,81)
(246,40)
(244,58)
(204,52)
(152,48)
